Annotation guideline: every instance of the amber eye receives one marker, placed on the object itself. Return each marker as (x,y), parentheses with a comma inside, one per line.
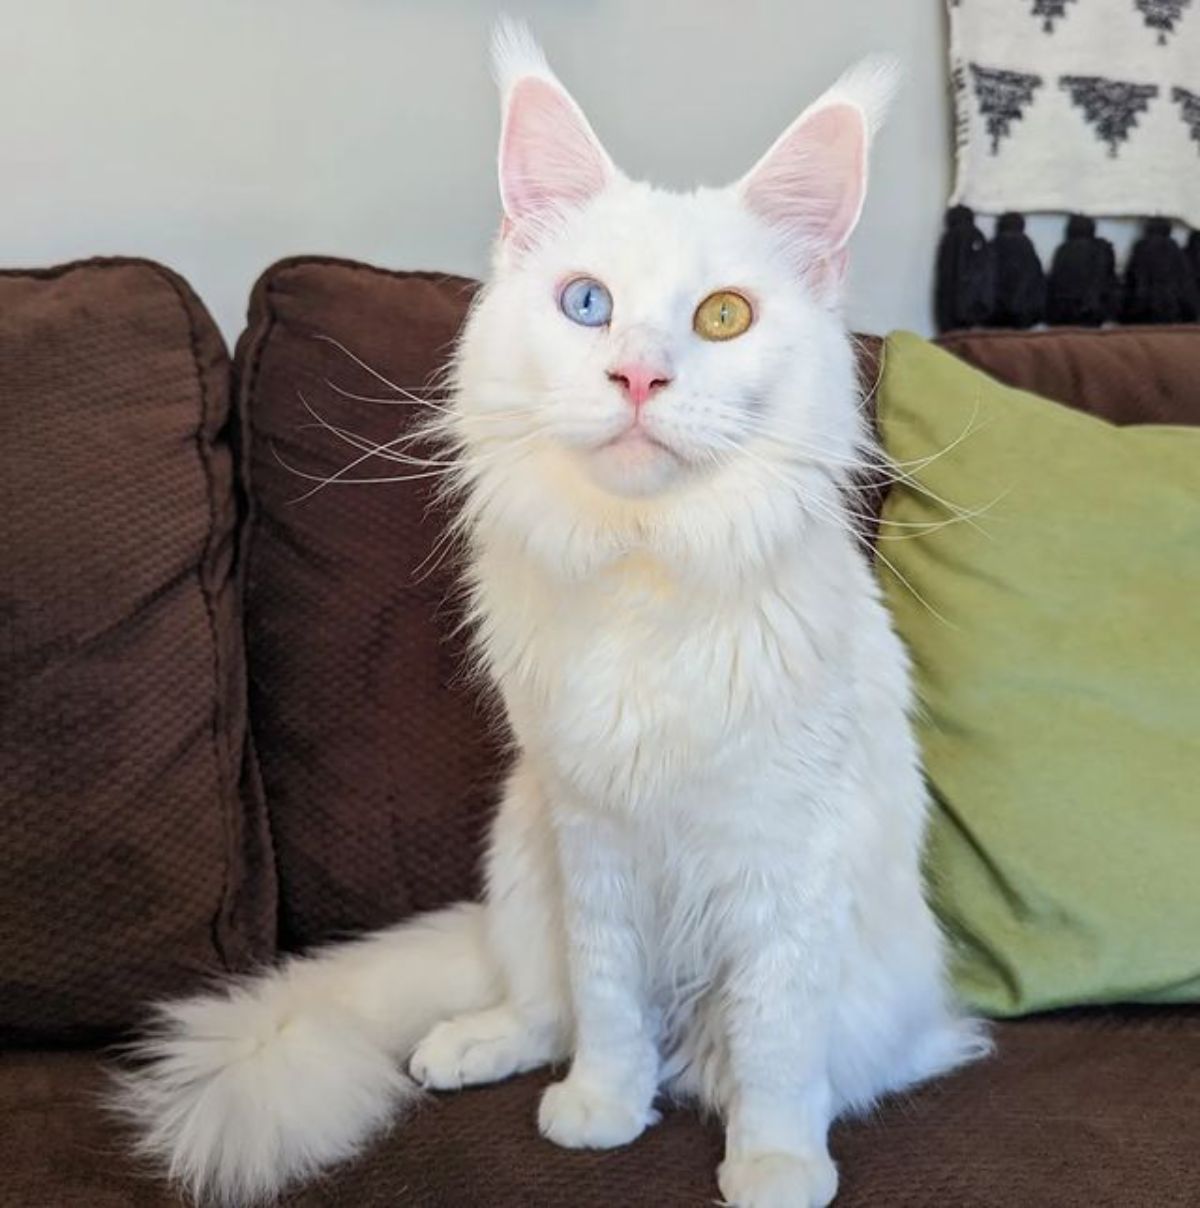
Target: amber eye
(722,315)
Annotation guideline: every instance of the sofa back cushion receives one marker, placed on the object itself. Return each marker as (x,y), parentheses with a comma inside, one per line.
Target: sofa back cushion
(133,857)
(1126,375)
(379,760)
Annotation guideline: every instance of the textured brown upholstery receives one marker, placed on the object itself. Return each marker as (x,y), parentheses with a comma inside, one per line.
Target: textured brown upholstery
(132,840)
(374,746)
(1061,1119)
(1093,1110)
(1126,375)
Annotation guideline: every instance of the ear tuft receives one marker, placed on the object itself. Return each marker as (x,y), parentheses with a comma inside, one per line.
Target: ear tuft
(811,183)
(515,53)
(870,86)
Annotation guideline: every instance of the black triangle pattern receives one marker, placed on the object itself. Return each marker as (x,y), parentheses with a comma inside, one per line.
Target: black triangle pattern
(1003,96)
(1111,107)
(1161,15)
(1189,108)
(1050,11)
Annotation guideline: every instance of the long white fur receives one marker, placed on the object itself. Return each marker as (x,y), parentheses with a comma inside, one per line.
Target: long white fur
(704,875)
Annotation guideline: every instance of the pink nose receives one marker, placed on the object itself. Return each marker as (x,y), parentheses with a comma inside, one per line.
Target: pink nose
(639,381)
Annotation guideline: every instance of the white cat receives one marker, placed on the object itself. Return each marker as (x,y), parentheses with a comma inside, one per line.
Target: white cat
(704,875)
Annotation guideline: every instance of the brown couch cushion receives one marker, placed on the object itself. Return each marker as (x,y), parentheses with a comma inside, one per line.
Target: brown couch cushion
(1088,1110)
(375,752)
(1127,375)
(132,840)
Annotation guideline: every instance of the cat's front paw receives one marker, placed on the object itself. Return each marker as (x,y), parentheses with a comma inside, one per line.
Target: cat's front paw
(579,1116)
(483,1046)
(778,1180)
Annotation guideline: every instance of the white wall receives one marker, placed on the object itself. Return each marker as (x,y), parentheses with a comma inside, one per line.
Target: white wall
(218,135)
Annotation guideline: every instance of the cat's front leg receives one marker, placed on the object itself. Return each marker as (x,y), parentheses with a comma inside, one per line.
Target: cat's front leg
(607,1098)
(779,938)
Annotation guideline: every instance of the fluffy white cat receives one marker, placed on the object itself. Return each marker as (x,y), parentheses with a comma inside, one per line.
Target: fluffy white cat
(703,878)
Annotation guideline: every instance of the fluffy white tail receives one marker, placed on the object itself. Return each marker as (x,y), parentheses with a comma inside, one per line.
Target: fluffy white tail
(242,1092)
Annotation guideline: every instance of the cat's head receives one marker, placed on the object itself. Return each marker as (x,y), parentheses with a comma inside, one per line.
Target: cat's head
(637,349)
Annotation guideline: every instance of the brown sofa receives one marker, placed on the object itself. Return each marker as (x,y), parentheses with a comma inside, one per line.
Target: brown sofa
(234,721)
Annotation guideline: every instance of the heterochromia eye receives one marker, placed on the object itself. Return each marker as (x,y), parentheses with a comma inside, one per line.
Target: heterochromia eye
(722,315)
(585,301)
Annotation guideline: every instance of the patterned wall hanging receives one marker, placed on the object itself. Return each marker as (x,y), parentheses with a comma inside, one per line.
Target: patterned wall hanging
(1083,106)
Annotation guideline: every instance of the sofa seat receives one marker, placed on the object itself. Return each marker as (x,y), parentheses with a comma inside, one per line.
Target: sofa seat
(1083,1109)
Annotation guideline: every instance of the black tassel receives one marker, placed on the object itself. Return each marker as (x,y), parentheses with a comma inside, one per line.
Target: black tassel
(965,285)
(1082,288)
(1020,281)
(1192,252)
(1159,286)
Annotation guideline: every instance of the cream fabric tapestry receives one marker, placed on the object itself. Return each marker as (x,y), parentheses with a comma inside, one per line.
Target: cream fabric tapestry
(1088,106)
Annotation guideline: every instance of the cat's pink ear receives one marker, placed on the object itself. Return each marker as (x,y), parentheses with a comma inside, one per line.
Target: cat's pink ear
(549,157)
(813,180)
(811,184)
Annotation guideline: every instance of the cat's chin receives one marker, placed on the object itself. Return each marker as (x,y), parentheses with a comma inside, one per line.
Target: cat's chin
(635,465)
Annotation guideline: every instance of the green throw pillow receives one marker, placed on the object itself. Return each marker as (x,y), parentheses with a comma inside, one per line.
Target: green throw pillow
(1056,642)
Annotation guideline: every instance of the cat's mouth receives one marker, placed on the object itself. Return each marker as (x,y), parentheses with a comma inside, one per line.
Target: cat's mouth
(637,462)
(636,442)
(635,438)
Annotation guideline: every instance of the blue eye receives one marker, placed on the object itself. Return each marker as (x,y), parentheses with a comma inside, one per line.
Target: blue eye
(585,301)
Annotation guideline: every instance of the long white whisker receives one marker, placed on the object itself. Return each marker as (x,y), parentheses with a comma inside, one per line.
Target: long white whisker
(369,449)
(338,479)
(880,472)
(810,502)
(880,461)
(408,400)
(414,401)
(957,514)
(363,365)
(437,555)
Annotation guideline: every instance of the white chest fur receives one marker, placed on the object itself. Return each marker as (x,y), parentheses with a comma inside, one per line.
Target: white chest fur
(637,685)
